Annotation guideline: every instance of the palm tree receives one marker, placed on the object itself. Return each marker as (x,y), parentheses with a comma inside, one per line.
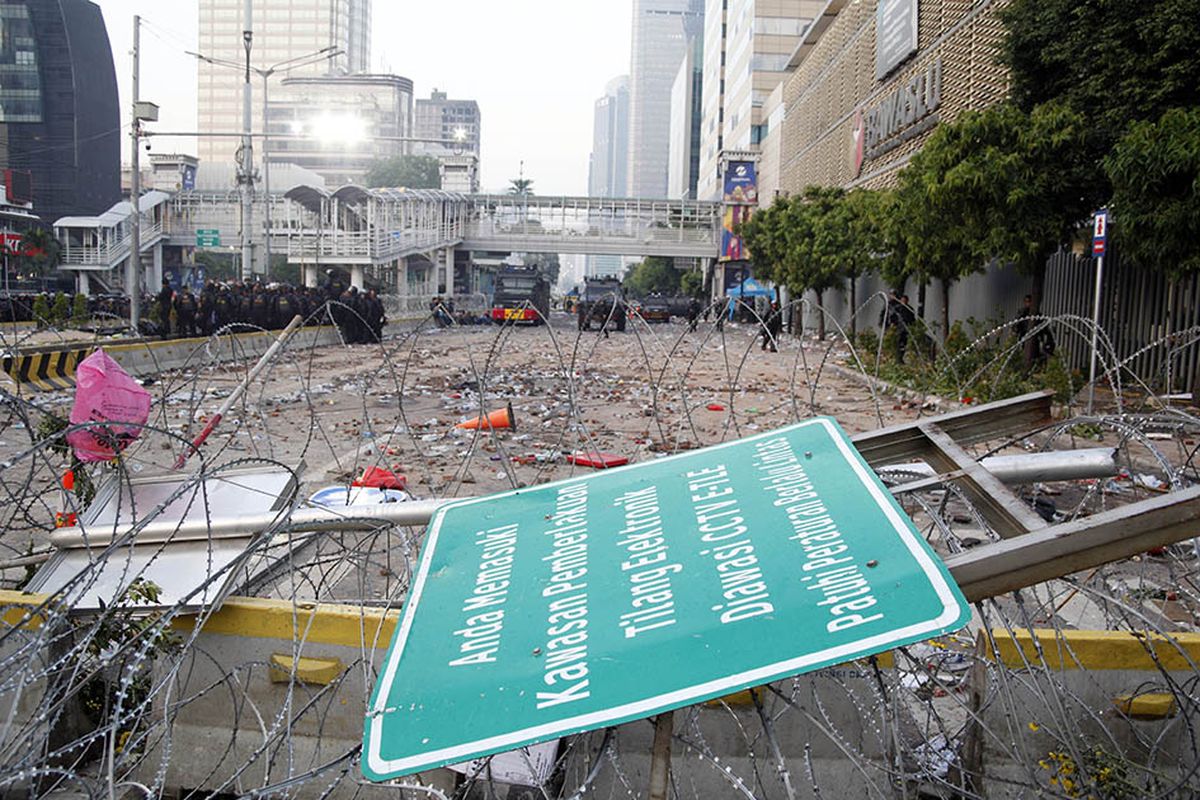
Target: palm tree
(520,186)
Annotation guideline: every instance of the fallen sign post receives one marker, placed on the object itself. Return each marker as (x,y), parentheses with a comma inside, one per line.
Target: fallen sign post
(626,593)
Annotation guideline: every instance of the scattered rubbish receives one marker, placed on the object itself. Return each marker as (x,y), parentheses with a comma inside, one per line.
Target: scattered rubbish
(715,407)
(597,460)
(341,496)
(380,478)
(1150,482)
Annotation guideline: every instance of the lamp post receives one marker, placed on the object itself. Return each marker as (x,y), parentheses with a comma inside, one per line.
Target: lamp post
(142,112)
(308,59)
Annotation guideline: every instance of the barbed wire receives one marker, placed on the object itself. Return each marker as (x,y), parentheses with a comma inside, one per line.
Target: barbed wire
(137,696)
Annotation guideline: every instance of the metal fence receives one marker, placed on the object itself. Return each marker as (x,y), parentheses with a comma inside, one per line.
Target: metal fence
(1151,328)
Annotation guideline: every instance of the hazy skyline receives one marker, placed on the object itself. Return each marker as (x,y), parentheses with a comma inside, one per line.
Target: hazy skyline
(535,67)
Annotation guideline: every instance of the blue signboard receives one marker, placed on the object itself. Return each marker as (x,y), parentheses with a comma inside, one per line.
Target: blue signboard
(741,183)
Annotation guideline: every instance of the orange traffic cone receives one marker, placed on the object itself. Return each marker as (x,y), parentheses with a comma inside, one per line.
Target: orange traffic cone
(498,419)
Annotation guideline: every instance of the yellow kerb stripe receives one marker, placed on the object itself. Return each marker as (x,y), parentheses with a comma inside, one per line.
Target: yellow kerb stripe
(16,609)
(316,623)
(1093,650)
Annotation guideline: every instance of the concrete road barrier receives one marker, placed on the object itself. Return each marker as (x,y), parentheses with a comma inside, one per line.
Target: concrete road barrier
(52,368)
(1046,700)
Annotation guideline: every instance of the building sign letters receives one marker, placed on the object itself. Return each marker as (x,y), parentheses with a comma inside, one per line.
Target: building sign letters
(904,113)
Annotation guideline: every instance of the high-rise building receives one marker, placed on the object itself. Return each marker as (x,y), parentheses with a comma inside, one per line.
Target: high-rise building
(683,166)
(283,30)
(59,113)
(661,32)
(609,163)
(456,122)
(747,45)
(610,141)
(348,122)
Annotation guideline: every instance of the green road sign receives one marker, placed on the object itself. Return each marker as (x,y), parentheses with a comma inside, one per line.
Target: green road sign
(208,238)
(612,597)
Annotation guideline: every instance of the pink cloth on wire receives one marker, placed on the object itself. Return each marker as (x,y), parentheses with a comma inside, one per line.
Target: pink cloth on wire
(104,393)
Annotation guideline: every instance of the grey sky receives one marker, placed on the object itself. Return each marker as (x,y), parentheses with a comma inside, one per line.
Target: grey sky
(535,67)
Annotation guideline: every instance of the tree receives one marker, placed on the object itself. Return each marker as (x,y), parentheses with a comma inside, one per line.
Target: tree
(653,275)
(691,283)
(800,243)
(944,201)
(1112,64)
(1035,181)
(411,172)
(1155,173)
(39,251)
(1115,62)
(819,235)
(861,213)
(520,186)
(766,241)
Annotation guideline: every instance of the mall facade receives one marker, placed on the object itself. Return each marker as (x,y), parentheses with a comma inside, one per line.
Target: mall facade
(870,85)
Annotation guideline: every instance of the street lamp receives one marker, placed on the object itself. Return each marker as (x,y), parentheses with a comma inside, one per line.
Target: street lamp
(306,60)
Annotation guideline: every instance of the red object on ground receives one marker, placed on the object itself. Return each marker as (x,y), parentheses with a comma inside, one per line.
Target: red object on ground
(715,407)
(597,460)
(380,478)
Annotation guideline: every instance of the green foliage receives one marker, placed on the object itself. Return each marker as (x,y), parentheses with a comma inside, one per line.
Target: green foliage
(819,240)
(51,430)
(655,274)
(411,172)
(691,283)
(121,633)
(1116,62)
(1155,172)
(520,186)
(41,310)
(949,197)
(79,309)
(969,368)
(40,251)
(1039,171)
(1113,66)
(60,311)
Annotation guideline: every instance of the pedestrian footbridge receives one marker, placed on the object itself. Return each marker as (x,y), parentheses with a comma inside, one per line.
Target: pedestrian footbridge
(412,235)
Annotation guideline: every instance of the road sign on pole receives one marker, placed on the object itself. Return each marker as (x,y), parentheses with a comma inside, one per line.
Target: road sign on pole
(589,602)
(1099,246)
(208,238)
(1100,234)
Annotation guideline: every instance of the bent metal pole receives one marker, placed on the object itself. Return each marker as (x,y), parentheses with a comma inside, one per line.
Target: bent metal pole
(1016,469)
(237,393)
(311,519)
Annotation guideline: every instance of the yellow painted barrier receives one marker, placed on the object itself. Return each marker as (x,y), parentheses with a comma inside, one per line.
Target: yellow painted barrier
(17,609)
(310,671)
(1154,705)
(1091,650)
(313,623)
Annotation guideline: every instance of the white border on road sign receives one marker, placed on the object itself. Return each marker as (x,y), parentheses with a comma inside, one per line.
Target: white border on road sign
(647,706)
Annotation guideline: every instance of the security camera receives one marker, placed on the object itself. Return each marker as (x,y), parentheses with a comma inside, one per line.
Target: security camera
(147,147)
